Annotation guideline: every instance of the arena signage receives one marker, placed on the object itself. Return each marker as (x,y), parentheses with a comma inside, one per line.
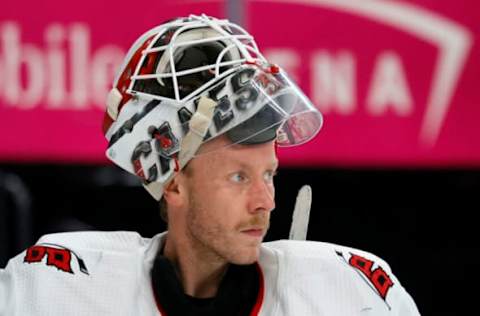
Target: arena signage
(396,80)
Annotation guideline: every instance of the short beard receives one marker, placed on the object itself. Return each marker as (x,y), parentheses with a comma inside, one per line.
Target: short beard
(204,239)
(197,233)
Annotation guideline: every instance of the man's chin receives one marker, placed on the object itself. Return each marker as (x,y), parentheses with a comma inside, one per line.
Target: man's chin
(246,257)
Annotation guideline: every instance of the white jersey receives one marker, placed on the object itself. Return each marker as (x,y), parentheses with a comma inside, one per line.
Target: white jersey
(108,273)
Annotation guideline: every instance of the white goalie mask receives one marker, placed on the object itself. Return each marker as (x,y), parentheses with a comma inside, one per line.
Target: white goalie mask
(190,80)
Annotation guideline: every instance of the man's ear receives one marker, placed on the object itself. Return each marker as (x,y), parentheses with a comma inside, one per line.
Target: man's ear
(174,191)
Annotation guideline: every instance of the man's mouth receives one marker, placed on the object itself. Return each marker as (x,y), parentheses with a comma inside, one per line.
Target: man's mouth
(254,232)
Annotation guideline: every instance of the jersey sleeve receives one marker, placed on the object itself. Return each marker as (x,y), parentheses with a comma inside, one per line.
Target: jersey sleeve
(400,299)
(378,275)
(73,274)
(328,279)
(4,285)
(32,278)
(7,289)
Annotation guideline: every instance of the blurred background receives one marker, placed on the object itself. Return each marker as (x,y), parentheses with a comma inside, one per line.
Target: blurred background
(395,170)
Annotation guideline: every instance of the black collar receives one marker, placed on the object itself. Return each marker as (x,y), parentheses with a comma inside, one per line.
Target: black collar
(236,295)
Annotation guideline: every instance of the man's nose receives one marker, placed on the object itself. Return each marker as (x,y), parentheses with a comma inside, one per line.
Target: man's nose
(261,197)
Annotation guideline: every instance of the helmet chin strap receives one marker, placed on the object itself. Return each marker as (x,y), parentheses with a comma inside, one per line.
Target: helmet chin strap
(301,214)
(198,127)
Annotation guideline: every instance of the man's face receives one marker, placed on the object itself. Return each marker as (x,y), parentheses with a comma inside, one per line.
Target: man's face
(230,194)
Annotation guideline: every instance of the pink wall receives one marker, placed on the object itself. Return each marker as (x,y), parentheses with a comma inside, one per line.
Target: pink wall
(397,81)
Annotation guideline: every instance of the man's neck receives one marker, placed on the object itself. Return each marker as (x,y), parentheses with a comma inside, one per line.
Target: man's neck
(200,271)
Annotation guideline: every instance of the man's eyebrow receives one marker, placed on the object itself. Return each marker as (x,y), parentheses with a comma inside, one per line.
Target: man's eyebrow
(275,164)
(272,165)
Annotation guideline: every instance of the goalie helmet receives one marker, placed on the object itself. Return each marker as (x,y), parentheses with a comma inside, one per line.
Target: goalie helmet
(190,80)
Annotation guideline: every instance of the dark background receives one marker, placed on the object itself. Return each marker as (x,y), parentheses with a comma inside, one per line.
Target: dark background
(422,222)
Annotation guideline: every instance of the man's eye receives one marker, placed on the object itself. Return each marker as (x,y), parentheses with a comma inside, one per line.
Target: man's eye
(238,177)
(269,175)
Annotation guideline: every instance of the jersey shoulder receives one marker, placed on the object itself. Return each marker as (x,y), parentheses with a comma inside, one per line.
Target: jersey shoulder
(298,250)
(357,270)
(96,240)
(325,255)
(65,250)
(76,268)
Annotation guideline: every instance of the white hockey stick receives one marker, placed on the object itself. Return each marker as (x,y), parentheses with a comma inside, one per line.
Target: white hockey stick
(301,214)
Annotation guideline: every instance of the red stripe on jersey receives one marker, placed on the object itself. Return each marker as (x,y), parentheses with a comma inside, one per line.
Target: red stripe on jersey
(261,292)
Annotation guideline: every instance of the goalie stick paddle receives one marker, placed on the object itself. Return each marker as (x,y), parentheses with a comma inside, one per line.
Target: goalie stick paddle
(301,214)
